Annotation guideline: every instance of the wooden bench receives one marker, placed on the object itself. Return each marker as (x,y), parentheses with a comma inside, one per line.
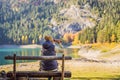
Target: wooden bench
(14,75)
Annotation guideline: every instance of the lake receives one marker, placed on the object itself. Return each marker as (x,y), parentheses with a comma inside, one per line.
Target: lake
(32,52)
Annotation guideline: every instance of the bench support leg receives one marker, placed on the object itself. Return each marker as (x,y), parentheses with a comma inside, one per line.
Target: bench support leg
(14,67)
(49,78)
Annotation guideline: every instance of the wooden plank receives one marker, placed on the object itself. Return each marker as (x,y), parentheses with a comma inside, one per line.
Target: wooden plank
(63,59)
(38,58)
(41,74)
(14,66)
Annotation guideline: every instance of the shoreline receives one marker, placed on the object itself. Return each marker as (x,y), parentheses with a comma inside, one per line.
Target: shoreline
(34,46)
(21,46)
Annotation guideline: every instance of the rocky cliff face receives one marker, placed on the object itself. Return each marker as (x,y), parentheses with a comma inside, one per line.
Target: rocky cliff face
(77,18)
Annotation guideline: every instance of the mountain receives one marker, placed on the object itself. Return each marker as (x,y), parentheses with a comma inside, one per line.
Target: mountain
(76,19)
(27,21)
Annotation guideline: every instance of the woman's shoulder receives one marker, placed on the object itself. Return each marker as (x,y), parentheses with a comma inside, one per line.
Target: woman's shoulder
(45,45)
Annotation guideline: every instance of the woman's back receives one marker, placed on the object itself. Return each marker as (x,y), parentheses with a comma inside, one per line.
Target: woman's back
(48,50)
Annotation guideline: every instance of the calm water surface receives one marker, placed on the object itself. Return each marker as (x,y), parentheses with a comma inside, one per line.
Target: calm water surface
(31,52)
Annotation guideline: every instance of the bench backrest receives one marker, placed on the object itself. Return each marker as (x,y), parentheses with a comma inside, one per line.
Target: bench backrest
(14,58)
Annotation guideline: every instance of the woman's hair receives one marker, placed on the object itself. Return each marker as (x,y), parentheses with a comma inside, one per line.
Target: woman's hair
(48,38)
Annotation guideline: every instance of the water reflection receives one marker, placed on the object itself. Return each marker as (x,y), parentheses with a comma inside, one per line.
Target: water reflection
(19,52)
(72,52)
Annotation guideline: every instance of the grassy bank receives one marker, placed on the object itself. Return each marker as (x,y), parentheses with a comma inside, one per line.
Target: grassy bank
(104,47)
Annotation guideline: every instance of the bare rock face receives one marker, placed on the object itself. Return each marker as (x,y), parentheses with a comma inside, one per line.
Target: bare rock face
(78,18)
(57,1)
(75,27)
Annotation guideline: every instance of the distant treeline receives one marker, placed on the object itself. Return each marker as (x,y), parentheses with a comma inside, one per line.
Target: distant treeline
(27,21)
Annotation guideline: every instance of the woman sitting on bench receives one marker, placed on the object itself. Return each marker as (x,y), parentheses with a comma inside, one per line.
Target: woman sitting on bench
(48,49)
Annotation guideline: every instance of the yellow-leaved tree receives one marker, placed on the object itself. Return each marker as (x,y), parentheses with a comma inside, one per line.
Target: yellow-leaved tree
(113,38)
(66,37)
(33,41)
(76,39)
(26,39)
(23,39)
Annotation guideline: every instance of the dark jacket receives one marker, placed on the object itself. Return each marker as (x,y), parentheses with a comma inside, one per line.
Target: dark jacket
(48,50)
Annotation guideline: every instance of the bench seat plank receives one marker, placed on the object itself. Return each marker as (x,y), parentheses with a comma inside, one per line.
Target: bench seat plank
(42,74)
(38,57)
